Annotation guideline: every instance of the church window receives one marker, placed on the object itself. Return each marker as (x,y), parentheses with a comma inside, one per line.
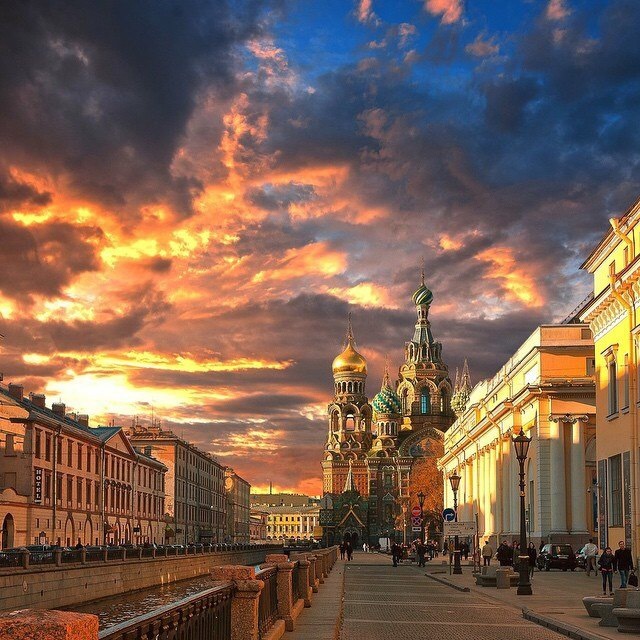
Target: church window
(349,388)
(424,350)
(613,386)
(350,422)
(445,401)
(405,401)
(424,401)
(335,421)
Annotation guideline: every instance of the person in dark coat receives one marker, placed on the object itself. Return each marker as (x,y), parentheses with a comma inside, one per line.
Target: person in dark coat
(606,562)
(533,554)
(342,549)
(349,551)
(623,563)
(504,554)
(396,553)
(421,551)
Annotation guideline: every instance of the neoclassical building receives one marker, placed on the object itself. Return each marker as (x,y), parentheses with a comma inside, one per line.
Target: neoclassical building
(371,447)
(546,388)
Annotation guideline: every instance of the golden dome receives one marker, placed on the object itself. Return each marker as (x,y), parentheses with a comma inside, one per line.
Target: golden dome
(349,361)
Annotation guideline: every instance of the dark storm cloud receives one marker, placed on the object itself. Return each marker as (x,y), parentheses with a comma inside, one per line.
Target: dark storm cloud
(15,193)
(44,258)
(103,93)
(280,197)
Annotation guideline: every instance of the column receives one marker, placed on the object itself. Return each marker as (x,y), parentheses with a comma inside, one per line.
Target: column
(578,491)
(476,497)
(493,503)
(514,483)
(506,486)
(487,491)
(558,484)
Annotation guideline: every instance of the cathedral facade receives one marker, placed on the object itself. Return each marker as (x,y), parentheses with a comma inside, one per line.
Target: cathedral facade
(371,448)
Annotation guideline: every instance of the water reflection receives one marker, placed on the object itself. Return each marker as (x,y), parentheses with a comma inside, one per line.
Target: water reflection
(123,608)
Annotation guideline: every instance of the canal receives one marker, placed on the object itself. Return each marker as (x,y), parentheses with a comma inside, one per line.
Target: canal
(121,608)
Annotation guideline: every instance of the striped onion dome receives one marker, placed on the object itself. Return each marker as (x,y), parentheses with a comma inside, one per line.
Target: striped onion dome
(386,400)
(422,296)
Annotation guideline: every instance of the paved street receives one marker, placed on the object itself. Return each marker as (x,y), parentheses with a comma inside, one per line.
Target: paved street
(384,602)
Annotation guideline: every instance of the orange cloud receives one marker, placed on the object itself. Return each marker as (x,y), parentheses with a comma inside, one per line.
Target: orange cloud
(557,10)
(516,280)
(450,10)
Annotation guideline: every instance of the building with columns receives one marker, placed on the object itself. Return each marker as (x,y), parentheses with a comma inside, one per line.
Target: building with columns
(547,389)
(613,316)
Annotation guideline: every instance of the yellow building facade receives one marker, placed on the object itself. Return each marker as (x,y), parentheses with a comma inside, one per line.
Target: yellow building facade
(614,320)
(547,389)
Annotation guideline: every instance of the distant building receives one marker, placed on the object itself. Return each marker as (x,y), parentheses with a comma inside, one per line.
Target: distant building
(547,389)
(613,316)
(291,522)
(274,499)
(63,482)
(238,507)
(196,498)
(258,525)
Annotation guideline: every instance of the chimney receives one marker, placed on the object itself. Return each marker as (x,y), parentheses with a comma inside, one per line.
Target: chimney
(147,450)
(38,399)
(58,408)
(83,419)
(16,391)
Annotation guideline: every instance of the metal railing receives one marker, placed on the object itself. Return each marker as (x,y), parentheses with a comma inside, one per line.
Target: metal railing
(11,560)
(268,602)
(203,616)
(295,579)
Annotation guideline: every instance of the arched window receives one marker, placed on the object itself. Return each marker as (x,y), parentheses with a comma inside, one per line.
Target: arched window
(424,401)
(335,421)
(445,402)
(349,388)
(350,422)
(405,401)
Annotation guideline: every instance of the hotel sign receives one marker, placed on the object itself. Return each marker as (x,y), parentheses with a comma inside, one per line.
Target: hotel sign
(37,485)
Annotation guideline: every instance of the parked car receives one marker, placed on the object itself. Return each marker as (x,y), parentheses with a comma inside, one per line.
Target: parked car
(557,556)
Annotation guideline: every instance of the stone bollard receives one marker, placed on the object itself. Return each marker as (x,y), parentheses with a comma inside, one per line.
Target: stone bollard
(139,553)
(105,554)
(503,581)
(24,559)
(245,602)
(285,593)
(303,582)
(83,555)
(313,580)
(319,569)
(48,625)
(57,557)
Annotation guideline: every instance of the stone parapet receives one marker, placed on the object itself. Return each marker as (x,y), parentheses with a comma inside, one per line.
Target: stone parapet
(48,625)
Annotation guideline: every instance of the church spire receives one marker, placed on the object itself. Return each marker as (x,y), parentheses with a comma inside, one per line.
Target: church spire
(456,386)
(465,381)
(350,484)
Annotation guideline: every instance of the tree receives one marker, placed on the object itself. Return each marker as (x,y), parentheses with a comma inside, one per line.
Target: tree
(426,477)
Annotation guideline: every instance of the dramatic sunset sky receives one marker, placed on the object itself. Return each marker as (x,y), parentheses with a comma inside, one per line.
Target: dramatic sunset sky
(194,194)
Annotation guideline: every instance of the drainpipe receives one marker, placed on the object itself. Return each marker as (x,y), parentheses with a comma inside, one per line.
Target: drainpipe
(54,489)
(102,495)
(632,393)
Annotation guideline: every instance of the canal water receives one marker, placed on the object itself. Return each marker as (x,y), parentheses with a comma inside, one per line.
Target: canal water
(122,608)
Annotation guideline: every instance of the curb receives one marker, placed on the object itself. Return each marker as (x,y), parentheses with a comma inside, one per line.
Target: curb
(565,629)
(448,584)
(338,628)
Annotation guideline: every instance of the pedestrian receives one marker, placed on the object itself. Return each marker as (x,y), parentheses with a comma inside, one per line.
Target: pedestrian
(623,563)
(504,554)
(487,553)
(516,555)
(465,550)
(590,551)
(395,553)
(607,563)
(533,554)
(541,547)
(421,551)
(349,550)
(342,549)
(365,547)
(445,548)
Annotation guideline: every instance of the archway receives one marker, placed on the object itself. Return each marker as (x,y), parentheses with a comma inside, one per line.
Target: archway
(88,531)
(8,532)
(69,532)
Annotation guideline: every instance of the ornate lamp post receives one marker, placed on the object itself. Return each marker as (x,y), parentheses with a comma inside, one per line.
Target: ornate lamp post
(455,483)
(421,498)
(521,444)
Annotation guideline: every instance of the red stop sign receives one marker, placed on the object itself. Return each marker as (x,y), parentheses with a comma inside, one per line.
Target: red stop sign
(415,511)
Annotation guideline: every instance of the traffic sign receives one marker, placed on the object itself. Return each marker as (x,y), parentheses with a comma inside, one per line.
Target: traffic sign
(415,511)
(459,529)
(448,515)
(416,522)
(416,529)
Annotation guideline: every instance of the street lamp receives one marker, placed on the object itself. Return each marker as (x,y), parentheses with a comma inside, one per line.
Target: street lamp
(421,498)
(521,444)
(455,484)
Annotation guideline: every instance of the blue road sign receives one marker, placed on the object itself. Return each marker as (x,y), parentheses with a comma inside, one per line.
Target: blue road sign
(448,515)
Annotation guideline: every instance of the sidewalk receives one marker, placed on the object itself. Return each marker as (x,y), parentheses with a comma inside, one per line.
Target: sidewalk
(322,620)
(556,595)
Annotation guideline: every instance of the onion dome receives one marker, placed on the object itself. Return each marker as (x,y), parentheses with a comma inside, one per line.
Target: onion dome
(423,294)
(349,361)
(386,400)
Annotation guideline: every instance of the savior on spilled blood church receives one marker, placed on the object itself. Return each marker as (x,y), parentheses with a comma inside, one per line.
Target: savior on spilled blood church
(372,447)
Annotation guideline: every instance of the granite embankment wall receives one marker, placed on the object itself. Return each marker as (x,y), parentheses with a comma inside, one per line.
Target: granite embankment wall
(55,587)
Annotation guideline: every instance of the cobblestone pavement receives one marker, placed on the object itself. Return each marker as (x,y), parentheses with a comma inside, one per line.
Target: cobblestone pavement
(383,602)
